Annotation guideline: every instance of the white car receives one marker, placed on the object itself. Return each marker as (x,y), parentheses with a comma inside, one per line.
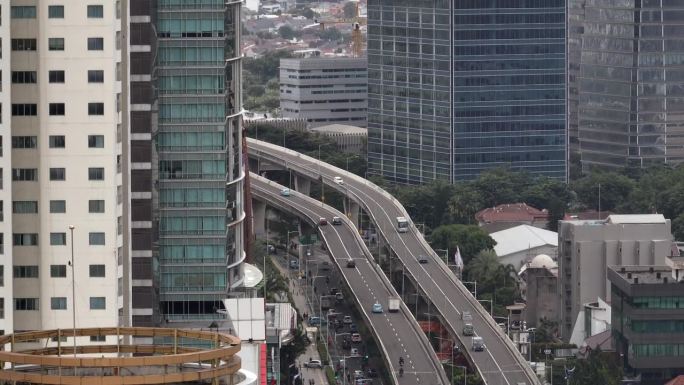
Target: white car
(313,364)
(338,180)
(285,192)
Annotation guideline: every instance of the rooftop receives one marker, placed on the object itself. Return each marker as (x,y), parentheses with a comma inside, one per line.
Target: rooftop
(521,238)
(341,129)
(679,380)
(587,215)
(636,218)
(511,212)
(643,274)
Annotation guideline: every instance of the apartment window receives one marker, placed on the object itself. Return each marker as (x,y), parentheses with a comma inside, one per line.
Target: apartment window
(2,312)
(57,141)
(24,174)
(97,303)
(25,207)
(97,271)
(98,338)
(96,173)
(24,142)
(96,141)
(56,11)
(56,76)
(118,9)
(58,207)
(57,173)
(56,44)
(58,271)
(95,108)
(58,303)
(26,304)
(95,76)
(26,239)
(23,12)
(2,277)
(96,239)
(24,44)
(118,72)
(26,271)
(57,239)
(95,12)
(96,206)
(117,41)
(56,109)
(95,44)
(24,109)
(24,77)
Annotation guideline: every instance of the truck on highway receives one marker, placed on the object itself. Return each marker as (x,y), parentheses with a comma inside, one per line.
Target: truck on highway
(325,303)
(402,224)
(478,344)
(394,304)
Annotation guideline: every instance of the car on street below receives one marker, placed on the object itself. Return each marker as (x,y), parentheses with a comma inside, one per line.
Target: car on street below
(332,313)
(339,296)
(346,344)
(347,320)
(377,308)
(338,180)
(356,337)
(422,258)
(371,372)
(351,263)
(314,320)
(353,328)
(294,264)
(313,364)
(358,374)
(337,221)
(354,351)
(285,192)
(324,266)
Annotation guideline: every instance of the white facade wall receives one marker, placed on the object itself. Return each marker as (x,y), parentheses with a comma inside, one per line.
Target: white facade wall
(77,157)
(6,314)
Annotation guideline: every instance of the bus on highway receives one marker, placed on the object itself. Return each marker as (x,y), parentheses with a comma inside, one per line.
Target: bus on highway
(402,224)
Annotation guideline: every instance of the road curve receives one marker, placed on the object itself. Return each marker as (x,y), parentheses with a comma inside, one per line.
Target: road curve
(500,363)
(398,334)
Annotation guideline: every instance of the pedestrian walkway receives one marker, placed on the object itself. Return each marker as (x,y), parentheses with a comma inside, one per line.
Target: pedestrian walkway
(317,375)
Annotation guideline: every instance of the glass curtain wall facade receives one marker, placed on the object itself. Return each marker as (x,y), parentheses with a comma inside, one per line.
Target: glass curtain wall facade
(456,88)
(631,83)
(198,147)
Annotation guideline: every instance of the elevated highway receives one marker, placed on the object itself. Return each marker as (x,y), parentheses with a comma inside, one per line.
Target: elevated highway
(398,334)
(500,363)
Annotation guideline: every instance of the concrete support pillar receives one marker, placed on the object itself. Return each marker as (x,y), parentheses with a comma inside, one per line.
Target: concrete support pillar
(259,213)
(303,185)
(353,211)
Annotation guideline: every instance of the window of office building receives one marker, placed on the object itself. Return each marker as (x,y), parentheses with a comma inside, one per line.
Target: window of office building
(97,271)
(57,239)
(98,303)
(56,11)
(24,77)
(57,173)
(24,109)
(95,141)
(24,44)
(24,142)
(98,338)
(56,44)
(57,141)
(23,12)
(95,12)
(25,239)
(96,173)
(96,206)
(56,76)
(58,271)
(25,207)
(58,303)
(24,174)
(57,206)
(95,76)
(26,304)
(95,108)
(56,109)
(26,271)
(96,239)
(95,44)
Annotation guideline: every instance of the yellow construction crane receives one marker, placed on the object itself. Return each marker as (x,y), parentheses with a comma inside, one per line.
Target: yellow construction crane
(357,37)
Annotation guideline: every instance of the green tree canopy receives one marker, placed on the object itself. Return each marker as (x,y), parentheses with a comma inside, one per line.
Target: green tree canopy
(470,240)
(615,188)
(349,9)
(598,368)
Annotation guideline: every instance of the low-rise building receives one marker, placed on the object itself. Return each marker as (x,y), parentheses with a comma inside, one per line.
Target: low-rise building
(519,245)
(540,290)
(509,215)
(349,139)
(648,321)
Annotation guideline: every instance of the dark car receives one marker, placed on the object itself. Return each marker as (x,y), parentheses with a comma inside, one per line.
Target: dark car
(351,263)
(371,373)
(422,258)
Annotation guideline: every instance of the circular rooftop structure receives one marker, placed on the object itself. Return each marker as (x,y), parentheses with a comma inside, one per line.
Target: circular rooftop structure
(175,356)
(542,261)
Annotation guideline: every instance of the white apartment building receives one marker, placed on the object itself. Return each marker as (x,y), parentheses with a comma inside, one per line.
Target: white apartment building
(6,298)
(65,162)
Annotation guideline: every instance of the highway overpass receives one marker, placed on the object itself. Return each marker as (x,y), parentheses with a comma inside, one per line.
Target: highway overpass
(398,334)
(500,363)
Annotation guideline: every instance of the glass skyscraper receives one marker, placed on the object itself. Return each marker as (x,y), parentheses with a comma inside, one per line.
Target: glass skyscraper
(459,87)
(628,56)
(198,149)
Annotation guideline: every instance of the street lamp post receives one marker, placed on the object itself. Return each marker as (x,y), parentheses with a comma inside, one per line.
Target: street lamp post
(491,305)
(475,286)
(73,286)
(321,175)
(327,324)
(446,255)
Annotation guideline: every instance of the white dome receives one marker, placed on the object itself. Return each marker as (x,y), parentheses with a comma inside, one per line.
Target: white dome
(542,261)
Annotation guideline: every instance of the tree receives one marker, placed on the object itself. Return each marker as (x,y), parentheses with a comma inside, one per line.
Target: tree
(678,227)
(286,32)
(547,331)
(598,368)
(495,282)
(501,185)
(349,9)
(615,189)
(330,34)
(465,203)
(469,239)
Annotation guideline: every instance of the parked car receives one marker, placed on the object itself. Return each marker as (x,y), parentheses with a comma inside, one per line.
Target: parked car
(377,308)
(313,364)
(314,320)
(347,320)
(356,337)
(294,264)
(338,180)
(353,328)
(337,221)
(322,221)
(422,258)
(354,351)
(285,192)
(358,374)
(339,296)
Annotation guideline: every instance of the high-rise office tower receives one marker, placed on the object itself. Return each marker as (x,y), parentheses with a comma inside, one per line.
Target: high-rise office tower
(66,162)
(198,170)
(629,63)
(6,298)
(459,87)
